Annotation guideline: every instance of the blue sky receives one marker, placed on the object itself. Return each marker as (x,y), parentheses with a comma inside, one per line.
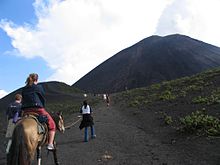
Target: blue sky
(15,69)
(62,40)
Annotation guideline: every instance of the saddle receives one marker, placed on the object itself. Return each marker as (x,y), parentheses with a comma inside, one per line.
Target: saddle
(41,124)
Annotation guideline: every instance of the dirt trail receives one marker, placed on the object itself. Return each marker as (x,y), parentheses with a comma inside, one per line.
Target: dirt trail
(126,137)
(134,137)
(120,140)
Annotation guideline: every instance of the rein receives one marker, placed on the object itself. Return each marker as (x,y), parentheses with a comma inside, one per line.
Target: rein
(73,123)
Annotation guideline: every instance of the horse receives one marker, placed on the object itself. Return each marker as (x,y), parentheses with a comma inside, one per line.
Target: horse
(26,140)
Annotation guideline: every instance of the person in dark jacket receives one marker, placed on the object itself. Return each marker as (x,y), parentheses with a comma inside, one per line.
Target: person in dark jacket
(87,121)
(13,113)
(107,100)
(34,101)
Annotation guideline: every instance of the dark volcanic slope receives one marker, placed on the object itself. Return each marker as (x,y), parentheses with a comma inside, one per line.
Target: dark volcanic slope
(56,93)
(151,60)
(59,97)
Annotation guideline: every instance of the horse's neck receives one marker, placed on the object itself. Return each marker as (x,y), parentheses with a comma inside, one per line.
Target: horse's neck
(55,117)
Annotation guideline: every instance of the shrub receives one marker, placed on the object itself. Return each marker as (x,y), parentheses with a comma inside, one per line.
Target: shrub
(138,101)
(155,86)
(134,103)
(167,95)
(167,119)
(194,87)
(214,98)
(201,123)
(182,93)
(199,100)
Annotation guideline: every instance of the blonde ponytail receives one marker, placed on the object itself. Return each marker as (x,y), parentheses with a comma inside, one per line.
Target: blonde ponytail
(31,79)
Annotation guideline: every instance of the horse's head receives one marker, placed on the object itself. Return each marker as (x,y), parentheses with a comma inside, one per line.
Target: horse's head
(59,121)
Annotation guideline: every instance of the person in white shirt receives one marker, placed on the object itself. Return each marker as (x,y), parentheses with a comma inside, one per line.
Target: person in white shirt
(87,121)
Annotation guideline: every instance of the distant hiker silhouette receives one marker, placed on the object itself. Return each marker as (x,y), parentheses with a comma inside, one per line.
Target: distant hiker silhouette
(87,121)
(104,97)
(108,99)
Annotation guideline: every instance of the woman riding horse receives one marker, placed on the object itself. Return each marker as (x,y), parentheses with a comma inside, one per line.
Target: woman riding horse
(33,101)
(26,138)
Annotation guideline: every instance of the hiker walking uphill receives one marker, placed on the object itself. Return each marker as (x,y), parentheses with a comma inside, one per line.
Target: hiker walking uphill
(13,114)
(108,100)
(87,121)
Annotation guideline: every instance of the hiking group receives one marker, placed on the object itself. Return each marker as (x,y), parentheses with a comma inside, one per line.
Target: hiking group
(32,101)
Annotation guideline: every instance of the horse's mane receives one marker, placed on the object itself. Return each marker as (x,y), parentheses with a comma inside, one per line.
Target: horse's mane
(55,117)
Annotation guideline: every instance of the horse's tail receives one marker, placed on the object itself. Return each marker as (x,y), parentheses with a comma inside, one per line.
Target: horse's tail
(18,154)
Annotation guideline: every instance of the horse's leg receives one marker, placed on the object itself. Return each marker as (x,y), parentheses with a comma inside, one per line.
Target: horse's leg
(55,155)
(39,155)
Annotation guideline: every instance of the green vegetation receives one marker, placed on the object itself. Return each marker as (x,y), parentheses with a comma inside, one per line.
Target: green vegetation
(197,89)
(155,86)
(193,87)
(138,101)
(201,123)
(167,119)
(200,100)
(167,95)
(200,91)
(213,98)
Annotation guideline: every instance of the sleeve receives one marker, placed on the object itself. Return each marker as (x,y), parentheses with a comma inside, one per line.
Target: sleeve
(15,118)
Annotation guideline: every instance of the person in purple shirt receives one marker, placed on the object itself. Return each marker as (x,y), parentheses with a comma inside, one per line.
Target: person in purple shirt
(13,114)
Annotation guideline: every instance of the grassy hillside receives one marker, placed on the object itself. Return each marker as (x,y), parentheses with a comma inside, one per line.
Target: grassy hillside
(191,104)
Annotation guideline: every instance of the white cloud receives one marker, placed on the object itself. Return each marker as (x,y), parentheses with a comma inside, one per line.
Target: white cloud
(3,93)
(196,18)
(74,36)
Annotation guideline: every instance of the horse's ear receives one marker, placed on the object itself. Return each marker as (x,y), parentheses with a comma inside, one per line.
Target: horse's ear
(60,113)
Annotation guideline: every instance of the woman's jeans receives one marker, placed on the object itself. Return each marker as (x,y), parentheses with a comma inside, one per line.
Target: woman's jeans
(86,137)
